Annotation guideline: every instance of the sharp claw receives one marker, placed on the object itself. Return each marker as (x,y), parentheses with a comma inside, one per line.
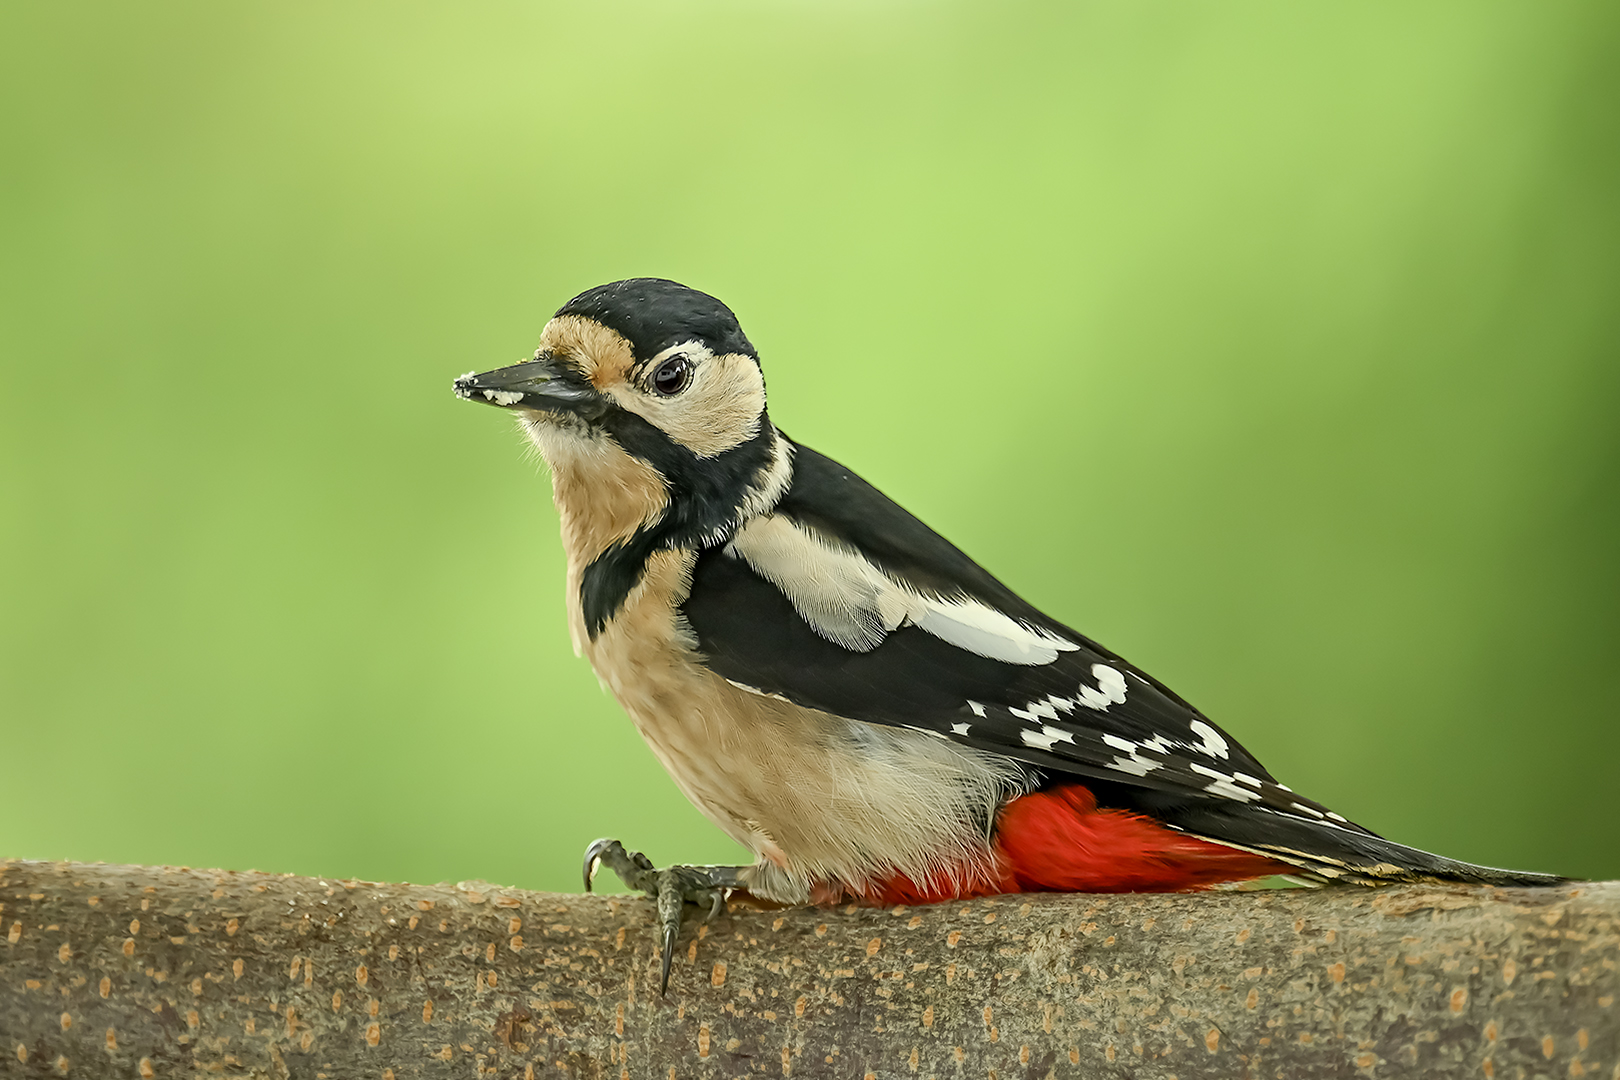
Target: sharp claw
(670,901)
(671,889)
(669,957)
(593,859)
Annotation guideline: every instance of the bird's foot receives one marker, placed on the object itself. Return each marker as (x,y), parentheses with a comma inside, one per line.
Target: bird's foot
(671,888)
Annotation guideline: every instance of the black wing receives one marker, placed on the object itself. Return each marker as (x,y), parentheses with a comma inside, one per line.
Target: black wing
(844,602)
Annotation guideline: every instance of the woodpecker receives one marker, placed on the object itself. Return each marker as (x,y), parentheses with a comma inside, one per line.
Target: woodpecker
(840,689)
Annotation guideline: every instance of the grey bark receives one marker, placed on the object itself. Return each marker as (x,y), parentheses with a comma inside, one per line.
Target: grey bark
(124,971)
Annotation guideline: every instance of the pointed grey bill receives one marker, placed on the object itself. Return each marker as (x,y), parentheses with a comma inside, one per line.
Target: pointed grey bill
(544,383)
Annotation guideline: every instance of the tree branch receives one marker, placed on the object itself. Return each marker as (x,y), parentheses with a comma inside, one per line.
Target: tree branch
(128,971)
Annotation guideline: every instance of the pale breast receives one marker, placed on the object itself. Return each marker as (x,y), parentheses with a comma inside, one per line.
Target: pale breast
(819,797)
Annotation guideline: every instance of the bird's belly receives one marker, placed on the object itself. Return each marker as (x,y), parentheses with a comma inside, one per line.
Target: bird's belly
(823,799)
(819,797)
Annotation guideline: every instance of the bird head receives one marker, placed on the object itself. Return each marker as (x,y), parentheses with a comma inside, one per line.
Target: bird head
(646,386)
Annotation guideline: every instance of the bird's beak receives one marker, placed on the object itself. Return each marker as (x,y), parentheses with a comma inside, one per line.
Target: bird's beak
(543,384)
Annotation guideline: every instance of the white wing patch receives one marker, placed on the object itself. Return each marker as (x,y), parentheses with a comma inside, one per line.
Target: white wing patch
(842,596)
(850,602)
(970,625)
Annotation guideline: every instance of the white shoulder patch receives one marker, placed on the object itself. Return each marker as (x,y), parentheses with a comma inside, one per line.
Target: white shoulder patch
(843,597)
(973,626)
(850,602)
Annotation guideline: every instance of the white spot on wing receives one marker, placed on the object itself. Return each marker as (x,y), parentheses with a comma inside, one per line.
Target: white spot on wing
(978,710)
(1136,766)
(1311,810)
(1135,763)
(1213,744)
(1039,710)
(1110,688)
(1222,784)
(959,729)
(1043,709)
(1336,817)
(1110,681)
(1094,699)
(1040,740)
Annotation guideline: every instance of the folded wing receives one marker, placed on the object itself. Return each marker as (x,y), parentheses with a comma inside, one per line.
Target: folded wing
(841,601)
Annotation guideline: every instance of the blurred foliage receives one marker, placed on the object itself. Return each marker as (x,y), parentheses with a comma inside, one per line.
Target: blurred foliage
(1274,345)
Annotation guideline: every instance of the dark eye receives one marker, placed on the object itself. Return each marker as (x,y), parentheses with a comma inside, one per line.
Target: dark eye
(673,376)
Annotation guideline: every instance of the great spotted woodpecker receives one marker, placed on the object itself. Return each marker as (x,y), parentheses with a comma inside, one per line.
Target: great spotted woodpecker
(840,689)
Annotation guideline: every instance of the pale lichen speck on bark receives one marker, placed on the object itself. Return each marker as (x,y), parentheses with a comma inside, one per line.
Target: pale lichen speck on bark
(135,971)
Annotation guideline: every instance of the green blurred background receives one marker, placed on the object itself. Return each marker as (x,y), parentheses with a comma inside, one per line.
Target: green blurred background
(1275,345)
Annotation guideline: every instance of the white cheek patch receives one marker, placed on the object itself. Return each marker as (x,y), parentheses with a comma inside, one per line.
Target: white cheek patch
(721,408)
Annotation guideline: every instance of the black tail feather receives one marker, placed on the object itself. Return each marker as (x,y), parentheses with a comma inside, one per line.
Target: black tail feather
(1339,852)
